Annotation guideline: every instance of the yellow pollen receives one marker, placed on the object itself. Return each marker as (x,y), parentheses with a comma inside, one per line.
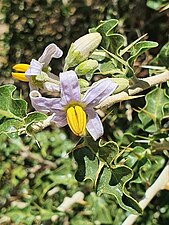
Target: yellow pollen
(76,119)
(20,74)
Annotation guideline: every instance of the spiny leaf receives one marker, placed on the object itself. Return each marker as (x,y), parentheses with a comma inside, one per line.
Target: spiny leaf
(106,151)
(34,117)
(87,164)
(113,181)
(140,48)
(117,42)
(12,111)
(10,107)
(137,50)
(10,127)
(150,168)
(153,112)
(106,28)
(162,58)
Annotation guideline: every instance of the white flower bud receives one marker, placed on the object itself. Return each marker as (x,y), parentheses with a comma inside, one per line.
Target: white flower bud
(81,49)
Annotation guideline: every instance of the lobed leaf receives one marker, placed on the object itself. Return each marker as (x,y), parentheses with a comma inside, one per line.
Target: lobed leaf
(10,107)
(87,164)
(113,182)
(138,49)
(162,58)
(10,127)
(153,112)
(106,28)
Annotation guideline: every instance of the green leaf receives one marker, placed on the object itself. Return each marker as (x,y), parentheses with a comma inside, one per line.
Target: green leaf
(34,117)
(109,67)
(140,48)
(126,49)
(162,58)
(137,154)
(153,112)
(137,50)
(10,107)
(148,171)
(106,151)
(113,181)
(12,111)
(18,173)
(103,213)
(17,216)
(10,127)
(78,219)
(98,55)
(156,5)
(87,164)
(106,28)
(117,42)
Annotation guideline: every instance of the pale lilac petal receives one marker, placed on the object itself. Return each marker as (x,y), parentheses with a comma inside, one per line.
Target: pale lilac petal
(51,51)
(70,90)
(35,68)
(60,119)
(94,124)
(43,104)
(48,86)
(99,91)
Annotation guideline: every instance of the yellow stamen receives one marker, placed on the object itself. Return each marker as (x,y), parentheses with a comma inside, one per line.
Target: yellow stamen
(20,74)
(21,67)
(76,119)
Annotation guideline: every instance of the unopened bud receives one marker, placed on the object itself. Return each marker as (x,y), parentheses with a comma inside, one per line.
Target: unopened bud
(122,84)
(81,49)
(83,83)
(86,67)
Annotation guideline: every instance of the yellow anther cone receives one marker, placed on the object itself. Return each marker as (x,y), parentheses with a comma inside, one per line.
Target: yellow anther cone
(20,74)
(21,67)
(76,119)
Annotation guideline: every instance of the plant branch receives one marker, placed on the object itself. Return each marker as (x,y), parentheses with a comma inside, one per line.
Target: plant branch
(139,86)
(160,184)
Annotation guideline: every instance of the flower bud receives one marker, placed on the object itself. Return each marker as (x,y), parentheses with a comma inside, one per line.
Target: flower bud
(86,67)
(83,83)
(122,84)
(81,49)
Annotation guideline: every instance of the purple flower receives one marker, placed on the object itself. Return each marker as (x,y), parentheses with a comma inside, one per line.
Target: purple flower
(35,68)
(40,67)
(73,110)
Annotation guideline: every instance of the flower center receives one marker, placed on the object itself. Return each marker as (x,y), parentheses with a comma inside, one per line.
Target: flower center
(20,74)
(76,119)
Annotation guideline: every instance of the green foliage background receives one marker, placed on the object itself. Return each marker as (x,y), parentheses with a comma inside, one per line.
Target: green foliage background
(35,181)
